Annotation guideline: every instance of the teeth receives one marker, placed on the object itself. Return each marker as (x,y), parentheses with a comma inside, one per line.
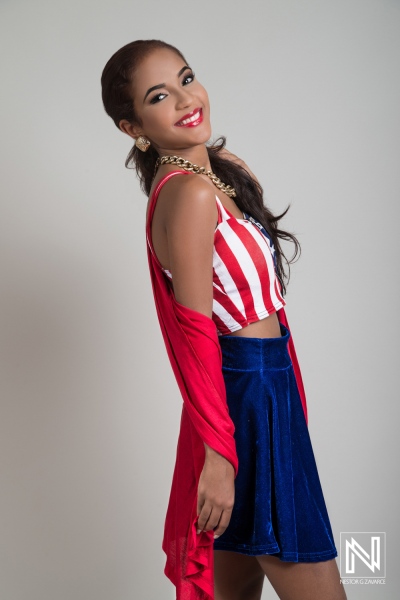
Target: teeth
(194,118)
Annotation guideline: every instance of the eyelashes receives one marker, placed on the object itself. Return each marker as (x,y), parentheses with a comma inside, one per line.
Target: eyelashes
(160,96)
(190,75)
(156,98)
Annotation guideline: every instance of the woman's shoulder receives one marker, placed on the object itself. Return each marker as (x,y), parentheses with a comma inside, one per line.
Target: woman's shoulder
(187,194)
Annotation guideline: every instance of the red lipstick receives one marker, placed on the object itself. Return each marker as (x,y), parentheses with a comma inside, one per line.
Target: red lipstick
(192,119)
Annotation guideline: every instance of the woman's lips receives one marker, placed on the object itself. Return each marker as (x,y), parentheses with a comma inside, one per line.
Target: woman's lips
(192,119)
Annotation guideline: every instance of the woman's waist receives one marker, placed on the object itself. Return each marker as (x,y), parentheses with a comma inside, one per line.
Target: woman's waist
(255,353)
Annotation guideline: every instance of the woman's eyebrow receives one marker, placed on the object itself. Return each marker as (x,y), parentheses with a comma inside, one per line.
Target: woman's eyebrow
(161,85)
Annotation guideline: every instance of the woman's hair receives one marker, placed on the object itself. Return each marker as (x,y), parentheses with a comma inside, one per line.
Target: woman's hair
(116,84)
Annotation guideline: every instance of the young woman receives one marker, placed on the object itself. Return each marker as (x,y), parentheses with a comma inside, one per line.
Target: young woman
(246,500)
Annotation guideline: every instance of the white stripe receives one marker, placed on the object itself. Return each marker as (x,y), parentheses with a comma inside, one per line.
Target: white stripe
(246,263)
(228,284)
(225,317)
(264,247)
(218,287)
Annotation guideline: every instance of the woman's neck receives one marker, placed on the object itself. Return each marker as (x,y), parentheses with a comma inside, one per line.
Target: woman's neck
(197,155)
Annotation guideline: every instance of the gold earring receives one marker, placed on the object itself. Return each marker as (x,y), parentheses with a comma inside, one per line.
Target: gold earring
(142,143)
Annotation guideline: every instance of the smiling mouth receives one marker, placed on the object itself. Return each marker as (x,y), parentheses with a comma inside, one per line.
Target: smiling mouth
(195,118)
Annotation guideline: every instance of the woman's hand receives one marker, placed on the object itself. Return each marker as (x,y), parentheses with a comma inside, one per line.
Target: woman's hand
(216,493)
(233,158)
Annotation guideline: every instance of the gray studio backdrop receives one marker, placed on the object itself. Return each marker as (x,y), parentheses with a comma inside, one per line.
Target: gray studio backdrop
(308,94)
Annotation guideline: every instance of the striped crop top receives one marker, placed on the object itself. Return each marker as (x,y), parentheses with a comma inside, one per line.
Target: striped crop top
(245,285)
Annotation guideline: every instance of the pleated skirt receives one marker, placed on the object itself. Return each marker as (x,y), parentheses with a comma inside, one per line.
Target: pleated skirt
(279,504)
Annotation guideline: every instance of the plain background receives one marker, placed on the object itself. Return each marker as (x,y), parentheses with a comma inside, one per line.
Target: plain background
(308,95)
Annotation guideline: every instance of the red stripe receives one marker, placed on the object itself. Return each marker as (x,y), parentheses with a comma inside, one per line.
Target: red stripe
(277,284)
(258,259)
(235,271)
(278,290)
(217,280)
(219,212)
(229,306)
(221,327)
(226,302)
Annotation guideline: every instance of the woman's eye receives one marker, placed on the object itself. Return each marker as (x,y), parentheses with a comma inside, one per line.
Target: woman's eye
(157,98)
(188,79)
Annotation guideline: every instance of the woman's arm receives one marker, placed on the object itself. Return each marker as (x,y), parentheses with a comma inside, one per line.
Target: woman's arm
(190,221)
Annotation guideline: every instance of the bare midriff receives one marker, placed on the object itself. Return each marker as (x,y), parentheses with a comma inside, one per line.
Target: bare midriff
(265,328)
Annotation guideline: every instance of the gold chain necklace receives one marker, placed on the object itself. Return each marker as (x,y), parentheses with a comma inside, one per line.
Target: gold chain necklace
(188,166)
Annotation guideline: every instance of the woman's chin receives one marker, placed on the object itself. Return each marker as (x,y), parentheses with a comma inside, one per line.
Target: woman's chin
(199,137)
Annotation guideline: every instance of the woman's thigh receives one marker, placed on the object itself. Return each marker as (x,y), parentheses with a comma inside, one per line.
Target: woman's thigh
(302,580)
(237,576)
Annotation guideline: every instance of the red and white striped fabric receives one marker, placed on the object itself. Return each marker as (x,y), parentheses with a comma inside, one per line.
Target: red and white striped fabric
(245,286)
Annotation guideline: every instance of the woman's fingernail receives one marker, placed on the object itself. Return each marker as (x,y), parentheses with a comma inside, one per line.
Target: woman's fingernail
(216,536)
(199,531)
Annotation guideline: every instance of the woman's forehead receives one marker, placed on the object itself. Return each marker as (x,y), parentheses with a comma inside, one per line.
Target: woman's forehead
(157,67)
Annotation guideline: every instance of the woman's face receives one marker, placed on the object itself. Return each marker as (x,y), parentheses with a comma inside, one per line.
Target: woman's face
(172,107)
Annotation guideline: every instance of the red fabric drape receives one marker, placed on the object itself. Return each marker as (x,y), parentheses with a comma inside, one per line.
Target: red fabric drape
(195,355)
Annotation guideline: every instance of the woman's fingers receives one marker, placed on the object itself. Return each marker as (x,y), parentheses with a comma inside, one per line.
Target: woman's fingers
(208,518)
(215,519)
(223,522)
(204,516)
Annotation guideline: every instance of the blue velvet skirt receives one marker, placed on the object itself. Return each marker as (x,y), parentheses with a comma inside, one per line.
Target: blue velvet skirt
(279,505)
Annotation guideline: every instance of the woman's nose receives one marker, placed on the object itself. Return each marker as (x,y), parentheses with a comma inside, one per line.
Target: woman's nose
(183,99)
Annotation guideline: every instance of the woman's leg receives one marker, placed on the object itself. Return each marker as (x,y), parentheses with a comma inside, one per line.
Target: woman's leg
(237,576)
(302,580)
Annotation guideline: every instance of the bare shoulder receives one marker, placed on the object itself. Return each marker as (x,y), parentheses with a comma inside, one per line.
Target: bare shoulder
(190,216)
(189,197)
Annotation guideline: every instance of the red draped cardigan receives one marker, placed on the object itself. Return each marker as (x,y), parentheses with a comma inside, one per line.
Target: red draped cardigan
(195,355)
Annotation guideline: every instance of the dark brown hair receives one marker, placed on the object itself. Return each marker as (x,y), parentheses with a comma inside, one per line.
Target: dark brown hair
(116,85)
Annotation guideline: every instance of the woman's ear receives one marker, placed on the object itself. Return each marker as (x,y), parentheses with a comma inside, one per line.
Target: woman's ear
(132,130)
